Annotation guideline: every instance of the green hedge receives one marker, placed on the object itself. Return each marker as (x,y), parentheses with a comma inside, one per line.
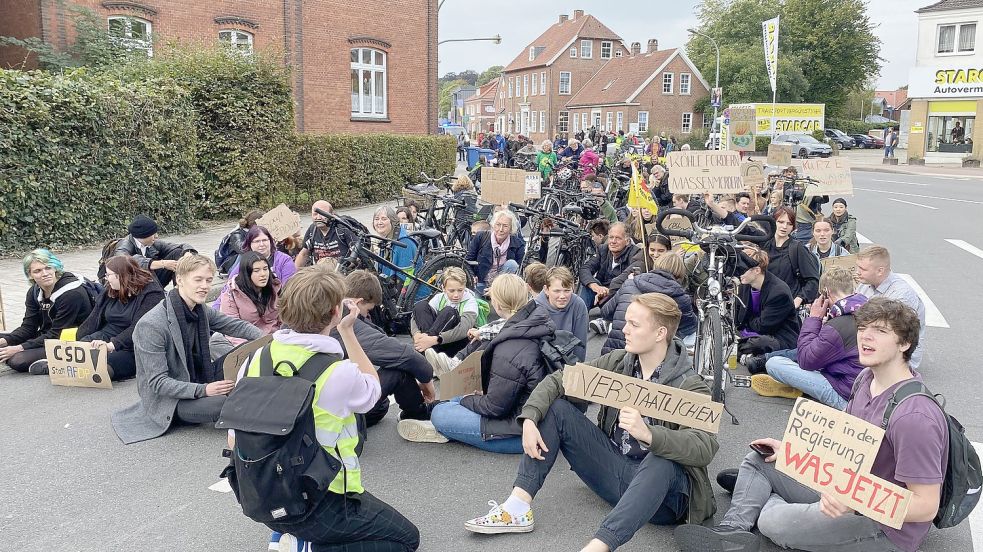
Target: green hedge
(80,153)
(354,169)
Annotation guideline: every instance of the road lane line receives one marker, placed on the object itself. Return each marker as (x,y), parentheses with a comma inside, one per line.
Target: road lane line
(900,182)
(919,195)
(913,203)
(967,247)
(862,239)
(221,486)
(976,516)
(933,316)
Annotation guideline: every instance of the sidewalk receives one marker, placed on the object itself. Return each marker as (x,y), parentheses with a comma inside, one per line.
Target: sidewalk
(871,160)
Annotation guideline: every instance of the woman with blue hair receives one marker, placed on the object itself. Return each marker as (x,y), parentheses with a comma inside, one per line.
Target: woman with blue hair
(56,301)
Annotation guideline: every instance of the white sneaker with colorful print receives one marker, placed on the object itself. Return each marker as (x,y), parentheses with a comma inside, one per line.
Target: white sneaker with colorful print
(498,520)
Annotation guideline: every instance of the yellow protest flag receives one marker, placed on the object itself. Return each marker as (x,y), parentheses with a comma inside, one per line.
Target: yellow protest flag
(639,195)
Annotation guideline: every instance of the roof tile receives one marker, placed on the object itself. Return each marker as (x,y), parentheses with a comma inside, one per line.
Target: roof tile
(619,78)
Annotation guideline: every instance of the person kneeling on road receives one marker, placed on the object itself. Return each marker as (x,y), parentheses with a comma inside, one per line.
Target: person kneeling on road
(650,471)
(826,362)
(176,378)
(347,516)
(913,454)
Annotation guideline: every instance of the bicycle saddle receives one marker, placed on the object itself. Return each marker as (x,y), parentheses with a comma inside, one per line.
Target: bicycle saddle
(573,210)
(428,233)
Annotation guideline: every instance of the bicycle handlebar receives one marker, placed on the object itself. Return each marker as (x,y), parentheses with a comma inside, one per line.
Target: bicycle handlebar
(696,229)
(354,230)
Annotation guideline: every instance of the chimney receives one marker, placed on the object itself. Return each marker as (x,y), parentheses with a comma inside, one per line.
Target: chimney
(563,17)
(636,48)
(653,46)
(577,14)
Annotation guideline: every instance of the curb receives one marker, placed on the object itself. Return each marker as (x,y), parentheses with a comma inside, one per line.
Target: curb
(874,168)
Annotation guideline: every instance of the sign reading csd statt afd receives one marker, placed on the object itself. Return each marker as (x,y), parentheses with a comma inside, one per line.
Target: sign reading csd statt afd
(77,364)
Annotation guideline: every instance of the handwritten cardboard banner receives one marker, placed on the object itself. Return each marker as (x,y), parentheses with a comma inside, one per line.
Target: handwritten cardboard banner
(504,186)
(753,173)
(77,364)
(661,402)
(464,379)
(677,222)
(281,222)
(779,155)
(742,126)
(698,172)
(848,262)
(833,174)
(233,361)
(832,452)
(534,186)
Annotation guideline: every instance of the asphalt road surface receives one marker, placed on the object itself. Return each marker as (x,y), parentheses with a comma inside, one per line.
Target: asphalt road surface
(68,484)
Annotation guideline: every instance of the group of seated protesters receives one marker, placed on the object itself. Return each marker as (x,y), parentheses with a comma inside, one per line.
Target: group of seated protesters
(866,339)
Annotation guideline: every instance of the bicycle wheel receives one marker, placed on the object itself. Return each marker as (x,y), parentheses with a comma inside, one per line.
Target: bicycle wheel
(716,351)
(431,273)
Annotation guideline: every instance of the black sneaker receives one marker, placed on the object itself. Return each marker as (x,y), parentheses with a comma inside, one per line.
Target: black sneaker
(727,479)
(422,415)
(38,368)
(755,364)
(722,538)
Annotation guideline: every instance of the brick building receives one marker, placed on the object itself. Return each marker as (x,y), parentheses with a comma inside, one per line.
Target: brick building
(480,110)
(656,91)
(364,69)
(536,85)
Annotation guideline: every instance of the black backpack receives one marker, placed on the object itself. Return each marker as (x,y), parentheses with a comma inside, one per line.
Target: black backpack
(277,469)
(961,486)
(108,250)
(225,255)
(557,350)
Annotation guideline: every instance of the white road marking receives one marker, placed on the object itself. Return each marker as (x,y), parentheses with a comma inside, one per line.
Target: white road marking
(976,516)
(933,316)
(919,195)
(967,247)
(913,203)
(222,486)
(862,239)
(900,182)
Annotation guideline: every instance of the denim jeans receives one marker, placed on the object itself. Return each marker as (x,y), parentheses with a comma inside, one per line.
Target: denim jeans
(460,424)
(792,354)
(787,512)
(811,383)
(888,151)
(508,267)
(803,231)
(588,295)
(650,490)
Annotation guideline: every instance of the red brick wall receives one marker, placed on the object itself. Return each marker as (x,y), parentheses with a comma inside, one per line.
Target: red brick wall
(315,37)
(19,19)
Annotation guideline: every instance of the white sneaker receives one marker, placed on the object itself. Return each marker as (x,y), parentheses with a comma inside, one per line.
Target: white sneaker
(290,543)
(498,520)
(599,326)
(440,362)
(419,431)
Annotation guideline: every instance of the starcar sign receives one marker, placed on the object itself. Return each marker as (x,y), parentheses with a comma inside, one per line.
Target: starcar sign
(945,81)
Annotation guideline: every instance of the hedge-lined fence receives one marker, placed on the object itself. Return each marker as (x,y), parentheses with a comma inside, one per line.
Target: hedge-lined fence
(191,135)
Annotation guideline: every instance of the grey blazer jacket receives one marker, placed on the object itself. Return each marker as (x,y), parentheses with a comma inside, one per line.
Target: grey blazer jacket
(162,370)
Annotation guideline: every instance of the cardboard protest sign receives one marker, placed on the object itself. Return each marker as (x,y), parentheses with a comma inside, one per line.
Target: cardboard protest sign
(77,364)
(504,186)
(233,361)
(534,185)
(699,172)
(464,379)
(833,174)
(848,262)
(753,173)
(832,452)
(661,402)
(779,155)
(677,222)
(742,126)
(281,222)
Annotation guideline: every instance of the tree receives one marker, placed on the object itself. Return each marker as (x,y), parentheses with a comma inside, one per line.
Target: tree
(444,96)
(489,75)
(825,49)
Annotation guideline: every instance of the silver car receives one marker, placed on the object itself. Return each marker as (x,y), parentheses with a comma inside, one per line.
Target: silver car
(804,145)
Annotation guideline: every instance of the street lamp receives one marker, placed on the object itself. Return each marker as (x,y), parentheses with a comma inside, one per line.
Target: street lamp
(497,39)
(716,80)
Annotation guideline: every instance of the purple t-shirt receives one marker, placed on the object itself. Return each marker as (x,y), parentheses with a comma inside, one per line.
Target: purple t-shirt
(914,449)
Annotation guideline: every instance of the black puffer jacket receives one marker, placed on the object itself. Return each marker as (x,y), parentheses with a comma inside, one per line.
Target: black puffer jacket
(510,369)
(656,281)
(793,264)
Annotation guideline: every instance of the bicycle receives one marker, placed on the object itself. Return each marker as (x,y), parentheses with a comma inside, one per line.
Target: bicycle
(573,243)
(716,297)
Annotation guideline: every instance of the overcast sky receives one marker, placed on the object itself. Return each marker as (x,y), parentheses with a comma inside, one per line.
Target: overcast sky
(519,25)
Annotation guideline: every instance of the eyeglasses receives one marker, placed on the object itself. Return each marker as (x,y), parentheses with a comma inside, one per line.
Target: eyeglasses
(261,240)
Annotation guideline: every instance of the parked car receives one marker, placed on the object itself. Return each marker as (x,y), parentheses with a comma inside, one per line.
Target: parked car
(804,145)
(865,141)
(840,137)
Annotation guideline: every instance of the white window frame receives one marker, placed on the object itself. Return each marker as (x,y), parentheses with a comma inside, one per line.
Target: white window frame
(542,83)
(563,122)
(586,49)
(510,87)
(238,40)
(583,121)
(569,83)
(542,121)
(619,53)
(595,117)
(525,86)
(532,53)
(608,120)
(610,48)
(683,126)
(573,52)
(374,68)
(643,122)
(620,120)
(127,41)
(576,123)
(535,85)
(957,33)
(706,122)
(668,80)
(687,80)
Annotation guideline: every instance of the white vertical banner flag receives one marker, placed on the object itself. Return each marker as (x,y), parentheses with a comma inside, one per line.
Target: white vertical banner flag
(769,32)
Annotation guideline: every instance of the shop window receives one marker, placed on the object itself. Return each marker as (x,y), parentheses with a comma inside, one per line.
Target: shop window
(950,133)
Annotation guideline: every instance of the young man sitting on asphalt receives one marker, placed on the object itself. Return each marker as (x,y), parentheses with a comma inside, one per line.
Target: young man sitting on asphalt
(155,255)
(650,471)
(913,454)
(765,317)
(826,362)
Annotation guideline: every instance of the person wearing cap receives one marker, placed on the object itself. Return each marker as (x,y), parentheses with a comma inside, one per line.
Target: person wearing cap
(151,253)
(844,226)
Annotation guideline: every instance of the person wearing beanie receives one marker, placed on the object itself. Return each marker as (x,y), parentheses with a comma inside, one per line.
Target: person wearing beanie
(844,226)
(155,255)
